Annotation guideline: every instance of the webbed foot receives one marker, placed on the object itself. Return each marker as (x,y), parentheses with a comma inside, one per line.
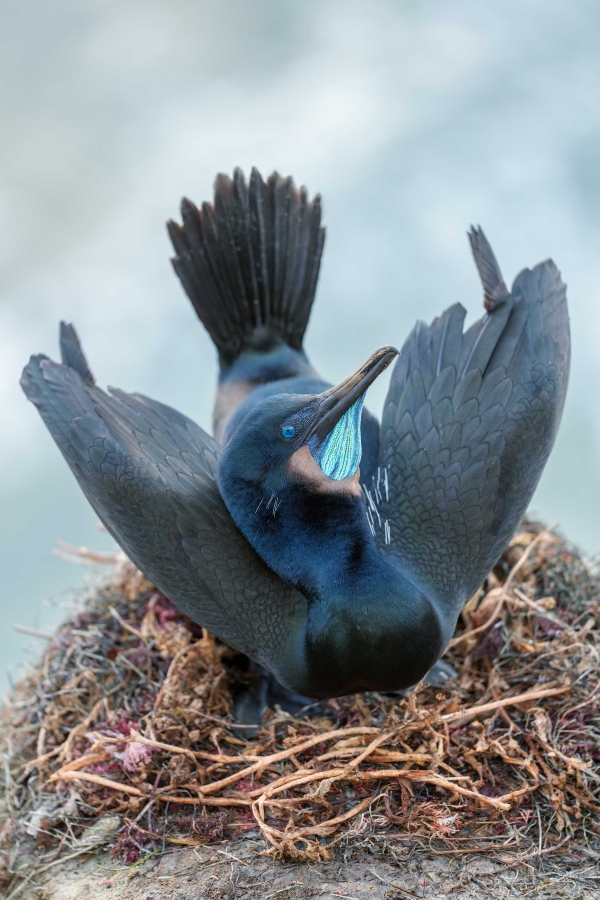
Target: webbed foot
(264,691)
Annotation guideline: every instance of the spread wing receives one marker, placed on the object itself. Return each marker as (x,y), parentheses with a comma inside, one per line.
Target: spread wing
(468,424)
(149,473)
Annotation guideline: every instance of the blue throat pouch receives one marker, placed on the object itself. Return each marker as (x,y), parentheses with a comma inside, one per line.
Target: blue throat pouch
(338,456)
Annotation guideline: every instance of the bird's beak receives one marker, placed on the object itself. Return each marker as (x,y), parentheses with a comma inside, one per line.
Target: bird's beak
(335,401)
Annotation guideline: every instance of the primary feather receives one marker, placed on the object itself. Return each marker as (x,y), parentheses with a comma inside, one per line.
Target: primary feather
(467,427)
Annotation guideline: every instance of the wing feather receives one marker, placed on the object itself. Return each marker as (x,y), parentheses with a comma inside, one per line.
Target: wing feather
(149,473)
(468,423)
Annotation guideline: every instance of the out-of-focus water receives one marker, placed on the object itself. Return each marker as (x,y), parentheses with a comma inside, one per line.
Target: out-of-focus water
(413,119)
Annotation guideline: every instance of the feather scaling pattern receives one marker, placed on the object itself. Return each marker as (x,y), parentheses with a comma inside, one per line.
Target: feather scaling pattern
(148,472)
(467,427)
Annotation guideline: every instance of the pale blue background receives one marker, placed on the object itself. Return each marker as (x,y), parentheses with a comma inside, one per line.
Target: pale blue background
(413,119)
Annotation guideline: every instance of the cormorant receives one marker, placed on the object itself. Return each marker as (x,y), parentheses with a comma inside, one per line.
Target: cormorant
(335,578)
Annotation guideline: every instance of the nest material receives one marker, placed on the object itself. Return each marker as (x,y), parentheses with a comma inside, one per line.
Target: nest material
(124,733)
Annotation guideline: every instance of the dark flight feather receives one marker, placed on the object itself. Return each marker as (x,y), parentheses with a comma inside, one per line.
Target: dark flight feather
(250,261)
(494,288)
(148,471)
(72,354)
(466,433)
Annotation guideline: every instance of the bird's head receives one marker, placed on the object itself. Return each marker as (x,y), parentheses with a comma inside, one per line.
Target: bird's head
(309,440)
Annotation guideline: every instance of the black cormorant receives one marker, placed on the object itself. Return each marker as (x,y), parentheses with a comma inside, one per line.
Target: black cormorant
(334,577)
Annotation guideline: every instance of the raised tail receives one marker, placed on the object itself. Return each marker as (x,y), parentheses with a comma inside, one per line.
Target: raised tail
(250,261)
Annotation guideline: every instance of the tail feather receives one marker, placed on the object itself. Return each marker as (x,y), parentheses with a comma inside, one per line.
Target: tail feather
(250,261)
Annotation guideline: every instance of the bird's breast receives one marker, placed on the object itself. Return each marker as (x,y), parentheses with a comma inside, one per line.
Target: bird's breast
(380,639)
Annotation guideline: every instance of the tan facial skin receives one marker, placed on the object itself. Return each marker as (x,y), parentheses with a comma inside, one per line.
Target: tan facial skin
(229,397)
(303,467)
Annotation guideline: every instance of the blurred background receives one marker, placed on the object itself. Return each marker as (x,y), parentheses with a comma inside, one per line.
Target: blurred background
(413,119)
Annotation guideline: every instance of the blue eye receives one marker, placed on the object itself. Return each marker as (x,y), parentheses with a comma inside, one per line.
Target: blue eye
(288,431)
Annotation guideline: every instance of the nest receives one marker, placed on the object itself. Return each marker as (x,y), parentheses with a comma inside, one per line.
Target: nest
(124,734)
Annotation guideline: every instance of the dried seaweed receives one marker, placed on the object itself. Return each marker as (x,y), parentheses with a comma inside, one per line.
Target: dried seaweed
(125,731)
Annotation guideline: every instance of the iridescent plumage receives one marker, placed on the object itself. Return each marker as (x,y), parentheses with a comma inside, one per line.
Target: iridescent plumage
(338,456)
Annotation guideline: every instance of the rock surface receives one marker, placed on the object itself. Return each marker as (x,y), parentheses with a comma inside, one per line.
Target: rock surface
(237,871)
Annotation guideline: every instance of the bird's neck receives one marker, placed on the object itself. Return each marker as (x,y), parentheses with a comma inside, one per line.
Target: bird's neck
(313,540)
(266,363)
(368,628)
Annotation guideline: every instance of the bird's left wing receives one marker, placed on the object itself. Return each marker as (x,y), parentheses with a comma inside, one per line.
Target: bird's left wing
(149,473)
(468,424)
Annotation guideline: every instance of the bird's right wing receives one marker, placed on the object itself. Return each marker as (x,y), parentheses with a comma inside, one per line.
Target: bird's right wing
(149,473)
(468,424)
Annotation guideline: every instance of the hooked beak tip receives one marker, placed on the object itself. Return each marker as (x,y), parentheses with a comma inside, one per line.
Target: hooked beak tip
(337,400)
